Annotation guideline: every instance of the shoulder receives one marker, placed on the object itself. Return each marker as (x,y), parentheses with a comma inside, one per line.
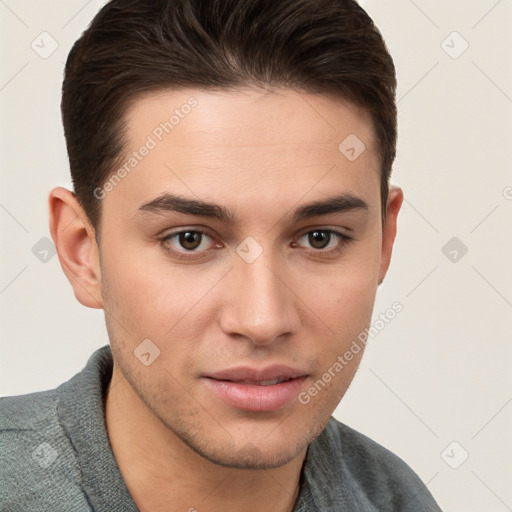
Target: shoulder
(39,470)
(26,412)
(363,452)
(379,476)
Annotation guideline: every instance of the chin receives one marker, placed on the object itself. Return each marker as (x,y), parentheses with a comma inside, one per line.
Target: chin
(246,454)
(252,457)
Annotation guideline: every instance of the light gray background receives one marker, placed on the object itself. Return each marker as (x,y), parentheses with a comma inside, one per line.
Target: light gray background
(440,371)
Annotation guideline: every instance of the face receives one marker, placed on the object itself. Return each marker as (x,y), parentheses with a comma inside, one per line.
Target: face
(247,248)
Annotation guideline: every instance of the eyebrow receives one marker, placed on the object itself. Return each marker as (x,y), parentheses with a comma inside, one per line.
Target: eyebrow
(175,203)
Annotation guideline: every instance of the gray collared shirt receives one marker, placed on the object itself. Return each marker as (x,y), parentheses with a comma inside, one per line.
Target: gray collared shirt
(55,456)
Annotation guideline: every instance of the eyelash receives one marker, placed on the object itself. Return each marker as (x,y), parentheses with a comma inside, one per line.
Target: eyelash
(344,240)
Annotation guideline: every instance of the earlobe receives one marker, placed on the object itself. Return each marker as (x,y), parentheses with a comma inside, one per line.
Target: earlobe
(74,238)
(393,206)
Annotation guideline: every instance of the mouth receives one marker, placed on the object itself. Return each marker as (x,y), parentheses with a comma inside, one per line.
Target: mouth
(255,390)
(268,382)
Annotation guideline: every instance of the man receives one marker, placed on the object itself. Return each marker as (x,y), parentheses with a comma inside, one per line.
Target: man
(232,216)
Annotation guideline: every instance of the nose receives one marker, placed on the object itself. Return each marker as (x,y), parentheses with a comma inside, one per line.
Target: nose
(259,304)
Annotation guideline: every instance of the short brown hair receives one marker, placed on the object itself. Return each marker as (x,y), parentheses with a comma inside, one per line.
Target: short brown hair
(132,47)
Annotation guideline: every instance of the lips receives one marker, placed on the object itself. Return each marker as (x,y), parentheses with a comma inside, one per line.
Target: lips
(269,382)
(256,390)
(254,375)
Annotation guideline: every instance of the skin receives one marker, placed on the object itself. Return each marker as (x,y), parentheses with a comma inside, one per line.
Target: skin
(261,155)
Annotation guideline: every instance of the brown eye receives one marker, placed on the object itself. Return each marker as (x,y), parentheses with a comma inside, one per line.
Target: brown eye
(325,242)
(190,240)
(319,239)
(189,245)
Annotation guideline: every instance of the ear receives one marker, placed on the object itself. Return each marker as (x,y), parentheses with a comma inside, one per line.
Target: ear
(74,238)
(395,200)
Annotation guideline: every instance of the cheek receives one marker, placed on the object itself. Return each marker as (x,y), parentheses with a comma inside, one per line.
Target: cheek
(347,311)
(154,298)
(343,294)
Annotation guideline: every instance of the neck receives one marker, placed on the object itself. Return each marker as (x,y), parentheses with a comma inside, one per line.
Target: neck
(163,473)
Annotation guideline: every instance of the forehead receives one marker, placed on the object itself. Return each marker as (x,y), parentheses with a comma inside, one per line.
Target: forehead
(227,145)
(233,118)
